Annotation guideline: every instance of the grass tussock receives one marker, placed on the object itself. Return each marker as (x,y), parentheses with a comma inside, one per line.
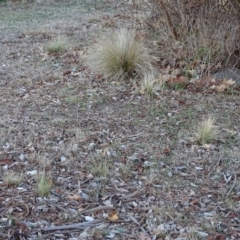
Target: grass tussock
(12,179)
(119,56)
(43,186)
(125,170)
(148,84)
(206,131)
(100,169)
(57,45)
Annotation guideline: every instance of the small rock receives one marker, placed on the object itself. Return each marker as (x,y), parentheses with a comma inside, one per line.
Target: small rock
(32,173)
(63,159)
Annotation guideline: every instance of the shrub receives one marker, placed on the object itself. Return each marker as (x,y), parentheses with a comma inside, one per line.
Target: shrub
(196,31)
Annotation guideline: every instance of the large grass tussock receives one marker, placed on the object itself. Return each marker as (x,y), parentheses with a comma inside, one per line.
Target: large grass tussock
(119,56)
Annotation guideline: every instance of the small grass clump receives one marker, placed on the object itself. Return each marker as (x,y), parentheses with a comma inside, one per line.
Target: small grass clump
(148,84)
(119,56)
(12,179)
(57,45)
(43,186)
(206,131)
(100,169)
(125,170)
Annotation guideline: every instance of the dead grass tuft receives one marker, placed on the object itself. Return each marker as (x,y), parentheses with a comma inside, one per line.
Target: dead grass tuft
(119,56)
(12,179)
(99,170)
(206,131)
(57,45)
(148,84)
(44,185)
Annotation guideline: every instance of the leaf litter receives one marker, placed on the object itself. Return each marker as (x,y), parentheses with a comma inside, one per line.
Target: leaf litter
(121,165)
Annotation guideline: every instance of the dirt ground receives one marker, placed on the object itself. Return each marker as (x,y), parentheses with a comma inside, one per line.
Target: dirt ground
(122,165)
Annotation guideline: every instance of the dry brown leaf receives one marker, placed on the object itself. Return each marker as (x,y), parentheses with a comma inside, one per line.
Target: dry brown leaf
(234,233)
(213,80)
(225,84)
(218,66)
(207,146)
(29,148)
(195,81)
(163,78)
(112,216)
(58,190)
(229,82)
(5,161)
(82,53)
(194,201)
(76,74)
(67,72)
(195,63)
(75,197)
(44,56)
(104,152)
(191,73)
(216,237)
(178,81)
(80,210)
(177,72)
(166,151)
(220,88)
(143,236)
(233,132)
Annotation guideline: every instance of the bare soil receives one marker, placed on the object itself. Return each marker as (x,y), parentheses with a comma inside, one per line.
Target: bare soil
(109,151)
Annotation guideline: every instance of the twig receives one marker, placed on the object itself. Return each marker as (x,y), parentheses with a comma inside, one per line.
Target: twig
(233,185)
(132,218)
(77,226)
(3,235)
(133,136)
(133,194)
(169,21)
(219,160)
